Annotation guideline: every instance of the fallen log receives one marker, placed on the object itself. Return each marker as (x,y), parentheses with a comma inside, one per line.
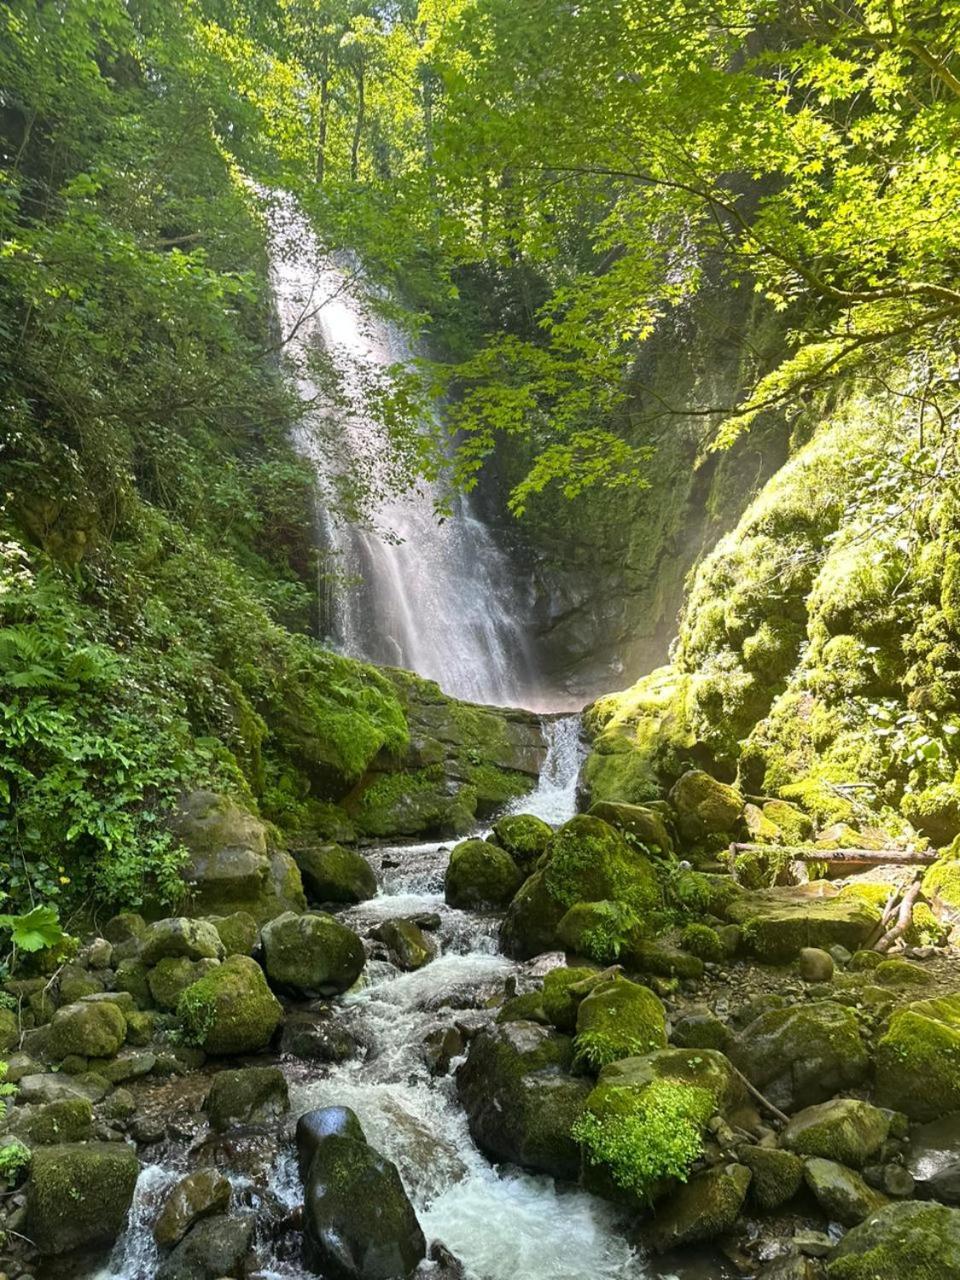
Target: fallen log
(807,853)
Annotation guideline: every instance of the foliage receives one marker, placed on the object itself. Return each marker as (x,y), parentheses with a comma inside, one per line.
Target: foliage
(14,1158)
(35,930)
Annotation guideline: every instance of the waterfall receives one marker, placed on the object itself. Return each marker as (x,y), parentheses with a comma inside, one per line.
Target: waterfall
(555,797)
(409,590)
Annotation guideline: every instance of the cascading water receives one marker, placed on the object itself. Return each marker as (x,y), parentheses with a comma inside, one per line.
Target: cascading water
(436,597)
(555,797)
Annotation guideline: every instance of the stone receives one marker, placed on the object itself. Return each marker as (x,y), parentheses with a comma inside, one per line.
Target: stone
(331,873)
(897,1181)
(480,876)
(178,936)
(440,1047)
(118,1106)
(90,1030)
(64,1120)
(815,964)
(238,932)
(521,1102)
(619,1019)
(700,1031)
(231,1010)
(842,1194)
(128,926)
(563,990)
(792,1267)
(802,1055)
(170,977)
(132,976)
(661,957)
(234,862)
(918,1059)
(644,824)
(702,1209)
(704,806)
(54,1087)
(73,984)
(247,1096)
(778,923)
(530,924)
(213,1247)
(312,953)
(777,1175)
(9,1029)
(842,1129)
(127,1066)
(524,836)
(409,948)
(198,1195)
(305,1035)
(324,1122)
(78,1195)
(707,1069)
(902,973)
(359,1223)
(907,1240)
(97,954)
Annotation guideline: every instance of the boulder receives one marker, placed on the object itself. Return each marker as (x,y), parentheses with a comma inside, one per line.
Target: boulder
(53,1087)
(213,1247)
(707,1069)
(644,824)
(563,989)
(9,1029)
(619,1019)
(331,873)
(841,1193)
(231,1010)
(777,924)
(661,957)
(359,1223)
(530,925)
(234,862)
(199,1195)
(521,1102)
(312,953)
(408,945)
(910,1240)
(324,1122)
(480,876)
(707,1206)
(64,1120)
(902,973)
(128,926)
(700,1030)
(524,836)
(238,933)
(180,937)
(305,1035)
(815,964)
(590,861)
(705,808)
(78,1195)
(87,1030)
(918,1059)
(801,1055)
(842,1129)
(248,1096)
(777,1175)
(170,977)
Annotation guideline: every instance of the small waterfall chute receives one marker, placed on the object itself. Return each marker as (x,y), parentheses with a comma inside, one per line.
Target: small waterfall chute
(555,797)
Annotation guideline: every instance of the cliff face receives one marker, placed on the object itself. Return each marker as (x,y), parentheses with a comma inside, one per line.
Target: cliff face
(818,655)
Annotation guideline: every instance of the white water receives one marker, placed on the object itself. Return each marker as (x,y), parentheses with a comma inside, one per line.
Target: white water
(408,590)
(555,797)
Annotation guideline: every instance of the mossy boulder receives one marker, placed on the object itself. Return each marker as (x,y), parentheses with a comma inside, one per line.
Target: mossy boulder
(911,1240)
(133,976)
(231,1010)
(480,876)
(700,1029)
(214,1246)
(331,873)
(87,1030)
(180,938)
(707,810)
(64,1120)
(170,977)
(530,924)
(841,1192)
(238,932)
(660,957)
(641,822)
(941,883)
(918,1059)
(597,930)
(795,826)
(198,1195)
(802,1055)
(590,861)
(9,1029)
(313,1127)
(842,1129)
(777,924)
(902,973)
(409,946)
(312,953)
(524,836)
(563,990)
(618,1019)
(701,941)
(707,1206)
(78,1195)
(934,812)
(248,1096)
(520,1098)
(777,1175)
(235,862)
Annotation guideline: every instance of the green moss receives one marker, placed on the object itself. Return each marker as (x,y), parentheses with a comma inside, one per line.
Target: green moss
(231,1010)
(942,881)
(524,836)
(618,1019)
(589,861)
(702,941)
(908,1241)
(777,1175)
(526,1008)
(78,1194)
(902,973)
(918,1059)
(598,930)
(563,990)
(480,876)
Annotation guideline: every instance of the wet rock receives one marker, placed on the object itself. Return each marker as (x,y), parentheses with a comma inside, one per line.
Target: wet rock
(803,1055)
(795,1267)
(324,1122)
(777,1175)
(312,953)
(231,1010)
(815,965)
(642,823)
(238,932)
(706,1207)
(934,1159)
(214,1247)
(842,1129)
(619,1019)
(180,937)
(440,1048)
(813,1244)
(445,1266)
(521,1102)
(917,1059)
(524,836)
(530,925)
(480,877)
(305,1035)
(331,873)
(170,977)
(897,1181)
(900,1241)
(359,1223)
(199,1195)
(842,1194)
(250,1095)
(78,1195)
(89,1030)
(66,1120)
(408,946)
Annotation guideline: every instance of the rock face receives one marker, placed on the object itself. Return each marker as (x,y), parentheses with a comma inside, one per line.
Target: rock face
(199,1195)
(917,1059)
(252,1095)
(231,1010)
(78,1194)
(903,1241)
(331,873)
(480,877)
(359,1223)
(842,1129)
(520,1100)
(312,953)
(88,1030)
(234,863)
(777,924)
(803,1055)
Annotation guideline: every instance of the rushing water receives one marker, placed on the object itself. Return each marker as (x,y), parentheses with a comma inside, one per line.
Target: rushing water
(555,798)
(435,596)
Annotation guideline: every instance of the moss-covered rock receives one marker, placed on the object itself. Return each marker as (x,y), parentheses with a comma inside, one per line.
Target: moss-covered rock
(706,809)
(480,876)
(530,924)
(170,977)
(700,1030)
(180,937)
(660,957)
(918,1059)
(215,1246)
(842,1194)
(312,953)
(941,883)
(250,1095)
(902,973)
(78,1195)
(590,861)
(777,1175)
(618,1019)
(802,1055)
(563,990)
(706,1207)
(524,836)
(778,923)
(238,932)
(410,948)
(231,1010)
(520,1099)
(598,930)
(9,1029)
(843,1129)
(643,823)
(88,1030)
(198,1195)
(906,1241)
(701,941)
(133,976)
(64,1120)
(331,873)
